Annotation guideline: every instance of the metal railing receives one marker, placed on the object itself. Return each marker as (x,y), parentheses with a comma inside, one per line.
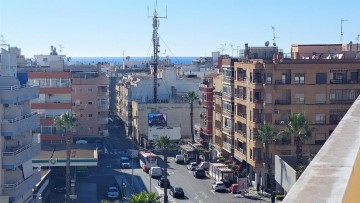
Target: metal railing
(15,87)
(18,151)
(20,117)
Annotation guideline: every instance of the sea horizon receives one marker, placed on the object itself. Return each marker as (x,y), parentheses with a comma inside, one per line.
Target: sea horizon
(119,60)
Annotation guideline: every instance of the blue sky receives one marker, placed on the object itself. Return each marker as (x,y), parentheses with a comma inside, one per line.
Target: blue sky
(193,27)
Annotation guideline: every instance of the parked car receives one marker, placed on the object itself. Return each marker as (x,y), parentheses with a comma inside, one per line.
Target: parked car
(234,188)
(218,186)
(205,165)
(179,159)
(155,172)
(60,186)
(113,193)
(192,166)
(199,173)
(161,182)
(125,162)
(177,192)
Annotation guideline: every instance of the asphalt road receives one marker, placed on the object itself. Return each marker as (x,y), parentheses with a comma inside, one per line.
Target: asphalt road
(196,190)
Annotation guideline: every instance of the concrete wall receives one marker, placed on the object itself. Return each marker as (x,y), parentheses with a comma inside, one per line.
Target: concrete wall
(178,115)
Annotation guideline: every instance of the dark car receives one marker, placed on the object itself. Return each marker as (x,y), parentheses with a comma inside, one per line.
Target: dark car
(177,192)
(161,182)
(60,186)
(199,173)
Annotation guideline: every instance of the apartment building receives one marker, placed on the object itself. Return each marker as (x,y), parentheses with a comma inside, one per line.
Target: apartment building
(55,94)
(18,144)
(207,88)
(269,90)
(90,102)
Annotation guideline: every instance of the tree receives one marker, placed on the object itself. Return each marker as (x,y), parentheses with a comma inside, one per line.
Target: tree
(298,126)
(265,134)
(164,143)
(66,123)
(144,197)
(191,97)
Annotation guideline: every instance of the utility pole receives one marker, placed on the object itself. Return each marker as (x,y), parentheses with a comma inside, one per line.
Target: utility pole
(156,45)
(341,29)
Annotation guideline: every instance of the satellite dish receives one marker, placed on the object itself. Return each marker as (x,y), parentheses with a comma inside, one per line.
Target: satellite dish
(274,44)
(267,43)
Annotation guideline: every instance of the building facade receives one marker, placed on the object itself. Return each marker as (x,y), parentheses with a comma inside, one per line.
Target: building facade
(18,144)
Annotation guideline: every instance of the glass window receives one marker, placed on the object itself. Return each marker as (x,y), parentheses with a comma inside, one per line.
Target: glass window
(299,78)
(320,78)
(268,78)
(299,98)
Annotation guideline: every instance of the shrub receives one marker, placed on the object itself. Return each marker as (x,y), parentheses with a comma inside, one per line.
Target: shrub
(280,197)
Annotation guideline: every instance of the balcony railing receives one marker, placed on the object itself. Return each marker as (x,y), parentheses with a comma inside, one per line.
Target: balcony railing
(14,157)
(16,126)
(228,147)
(103,107)
(342,101)
(282,82)
(319,122)
(103,120)
(16,190)
(18,93)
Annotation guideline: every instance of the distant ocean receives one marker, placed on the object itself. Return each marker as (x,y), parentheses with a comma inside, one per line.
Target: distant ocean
(119,60)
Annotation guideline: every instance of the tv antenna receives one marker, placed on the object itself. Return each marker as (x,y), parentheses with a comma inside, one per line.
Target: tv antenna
(156,46)
(357,41)
(232,49)
(222,48)
(274,36)
(3,42)
(61,48)
(341,29)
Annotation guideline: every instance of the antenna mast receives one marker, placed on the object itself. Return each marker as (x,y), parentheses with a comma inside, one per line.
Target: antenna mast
(156,46)
(341,29)
(357,42)
(274,36)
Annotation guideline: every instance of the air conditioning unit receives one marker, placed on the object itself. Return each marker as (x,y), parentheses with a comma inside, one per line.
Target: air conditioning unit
(276,111)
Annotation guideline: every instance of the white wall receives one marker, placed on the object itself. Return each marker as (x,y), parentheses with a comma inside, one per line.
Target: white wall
(178,115)
(174,133)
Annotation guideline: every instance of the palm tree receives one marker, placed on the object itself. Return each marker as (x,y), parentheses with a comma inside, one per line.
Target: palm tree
(298,126)
(191,97)
(265,134)
(66,123)
(164,143)
(144,197)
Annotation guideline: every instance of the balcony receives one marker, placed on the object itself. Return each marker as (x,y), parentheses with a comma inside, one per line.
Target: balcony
(103,107)
(341,81)
(14,157)
(17,93)
(205,88)
(19,125)
(65,104)
(228,147)
(21,187)
(319,122)
(342,101)
(283,102)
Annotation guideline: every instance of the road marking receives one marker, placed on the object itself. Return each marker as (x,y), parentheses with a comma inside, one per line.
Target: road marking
(213,191)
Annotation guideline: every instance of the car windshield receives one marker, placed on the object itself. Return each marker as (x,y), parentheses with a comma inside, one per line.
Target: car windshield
(220,184)
(124,159)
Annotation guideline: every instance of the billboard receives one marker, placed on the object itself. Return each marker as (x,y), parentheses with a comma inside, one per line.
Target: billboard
(157,119)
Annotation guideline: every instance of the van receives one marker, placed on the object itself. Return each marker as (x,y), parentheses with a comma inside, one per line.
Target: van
(204,165)
(155,172)
(179,159)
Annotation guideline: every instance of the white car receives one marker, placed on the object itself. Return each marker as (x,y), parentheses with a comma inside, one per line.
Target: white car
(218,186)
(113,193)
(125,162)
(192,166)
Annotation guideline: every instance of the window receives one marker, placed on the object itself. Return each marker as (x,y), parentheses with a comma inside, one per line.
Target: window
(320,99)
(320,78)
(89,102)
(320,138)
(89,90)
(45,59)
(268,98)
(268,78)
(299,78)
(90,115)
(320,119)
(299,98)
